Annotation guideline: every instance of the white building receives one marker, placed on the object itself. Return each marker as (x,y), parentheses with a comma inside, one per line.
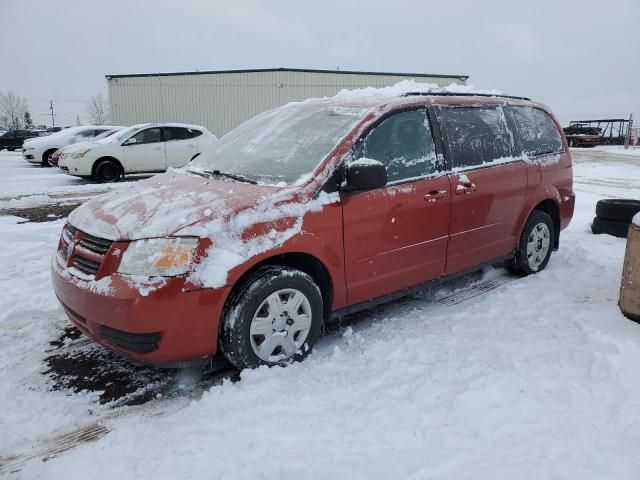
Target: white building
(221,100)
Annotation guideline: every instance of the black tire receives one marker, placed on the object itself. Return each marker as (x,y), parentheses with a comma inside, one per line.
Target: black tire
(45,157)
(236,338)
(107,171)
(619,210)
(610,227)
(572,143)
(522,262)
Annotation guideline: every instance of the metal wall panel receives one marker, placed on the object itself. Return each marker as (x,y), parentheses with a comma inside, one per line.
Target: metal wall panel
(221,101)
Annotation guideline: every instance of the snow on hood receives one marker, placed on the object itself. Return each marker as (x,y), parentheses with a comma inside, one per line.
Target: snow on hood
(180,204)
(163,205)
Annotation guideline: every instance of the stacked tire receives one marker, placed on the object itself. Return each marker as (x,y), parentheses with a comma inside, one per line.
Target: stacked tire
(613,216)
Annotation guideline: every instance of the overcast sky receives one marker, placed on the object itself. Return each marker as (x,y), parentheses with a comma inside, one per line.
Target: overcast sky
(581,57)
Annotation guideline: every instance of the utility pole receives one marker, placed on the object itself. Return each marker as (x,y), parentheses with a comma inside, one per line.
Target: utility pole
(53,119)
(627,137)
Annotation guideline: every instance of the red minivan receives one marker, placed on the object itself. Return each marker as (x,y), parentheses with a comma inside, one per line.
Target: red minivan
(311,211)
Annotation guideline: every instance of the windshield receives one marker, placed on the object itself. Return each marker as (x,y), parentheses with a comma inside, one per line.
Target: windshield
(281,145)
(121,135)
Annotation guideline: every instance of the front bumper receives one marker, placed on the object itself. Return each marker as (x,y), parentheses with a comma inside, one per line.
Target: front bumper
(162,325)
(30,156)
(73,166)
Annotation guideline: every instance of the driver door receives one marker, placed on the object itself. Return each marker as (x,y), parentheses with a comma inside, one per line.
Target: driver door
(145,151)
(396,236)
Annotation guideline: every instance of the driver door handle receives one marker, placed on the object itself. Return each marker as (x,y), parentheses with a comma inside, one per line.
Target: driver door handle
(434,195)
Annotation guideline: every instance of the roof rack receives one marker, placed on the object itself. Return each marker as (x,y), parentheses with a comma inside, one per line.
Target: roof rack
(465,94)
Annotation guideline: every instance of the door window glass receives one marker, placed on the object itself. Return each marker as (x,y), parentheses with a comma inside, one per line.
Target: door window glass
(403,143)
(150,135)
(175,133)
(193,133)
(536,132)
(475,135)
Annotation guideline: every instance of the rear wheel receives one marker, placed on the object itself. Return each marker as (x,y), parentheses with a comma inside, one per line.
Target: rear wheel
(536,243)
(46,157)
(107,171)
(275,318)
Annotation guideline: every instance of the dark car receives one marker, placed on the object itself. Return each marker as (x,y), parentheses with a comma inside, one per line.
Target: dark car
(13,139)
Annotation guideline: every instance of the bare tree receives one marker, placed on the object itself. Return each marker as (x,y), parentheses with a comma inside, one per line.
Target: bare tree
(13,107)
(97,110)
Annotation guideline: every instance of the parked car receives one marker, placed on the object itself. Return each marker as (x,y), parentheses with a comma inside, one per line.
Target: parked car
(55,157)
(39,150)
(14,139)
(309,212)
(144,148)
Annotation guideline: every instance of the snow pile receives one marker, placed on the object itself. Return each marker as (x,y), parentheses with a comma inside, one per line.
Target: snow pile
(408,86)
(230,248)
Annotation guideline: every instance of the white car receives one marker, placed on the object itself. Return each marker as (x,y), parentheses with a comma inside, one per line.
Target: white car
(144,148)
(40,149)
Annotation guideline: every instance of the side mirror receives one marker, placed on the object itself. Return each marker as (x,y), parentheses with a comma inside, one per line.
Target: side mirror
(130,141)
(365,174)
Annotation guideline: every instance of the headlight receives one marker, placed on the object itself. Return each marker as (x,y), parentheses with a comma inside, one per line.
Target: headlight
(158,257)
(80,153)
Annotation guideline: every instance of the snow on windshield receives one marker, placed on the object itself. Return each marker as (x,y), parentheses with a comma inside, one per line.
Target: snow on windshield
(281,145)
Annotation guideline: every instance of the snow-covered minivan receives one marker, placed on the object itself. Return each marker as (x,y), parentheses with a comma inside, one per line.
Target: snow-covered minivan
(309,212)
(144,148)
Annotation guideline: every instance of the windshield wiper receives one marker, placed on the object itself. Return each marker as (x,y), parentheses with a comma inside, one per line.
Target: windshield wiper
(218,173)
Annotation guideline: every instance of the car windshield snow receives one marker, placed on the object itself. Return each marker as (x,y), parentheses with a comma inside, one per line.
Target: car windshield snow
(280,145)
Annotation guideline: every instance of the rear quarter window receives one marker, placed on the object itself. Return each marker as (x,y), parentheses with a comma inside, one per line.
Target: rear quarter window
(475,135)
(536,133)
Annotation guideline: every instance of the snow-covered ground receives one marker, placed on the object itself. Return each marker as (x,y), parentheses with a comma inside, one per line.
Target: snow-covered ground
(538,378)
(25,184)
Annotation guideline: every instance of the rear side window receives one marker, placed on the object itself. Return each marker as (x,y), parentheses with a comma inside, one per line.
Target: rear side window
(475,135)
(536,132)
(175,133)
(403,143)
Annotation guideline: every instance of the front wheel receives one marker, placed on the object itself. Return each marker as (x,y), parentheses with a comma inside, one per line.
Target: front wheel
(274,318)
(107,171)
(536,243)
(46,158)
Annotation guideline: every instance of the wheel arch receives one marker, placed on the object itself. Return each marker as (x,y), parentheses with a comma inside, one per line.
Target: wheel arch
(304,262)
(551,208)
(45,156)
(101,159)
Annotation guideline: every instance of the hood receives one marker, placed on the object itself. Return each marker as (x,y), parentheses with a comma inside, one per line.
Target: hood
(48,141)
(76,146)
(165,204)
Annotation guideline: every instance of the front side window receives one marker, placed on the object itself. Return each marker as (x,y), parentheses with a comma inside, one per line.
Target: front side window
(150,135)
(475,135)
(536,132)
(403,143)
(193,133)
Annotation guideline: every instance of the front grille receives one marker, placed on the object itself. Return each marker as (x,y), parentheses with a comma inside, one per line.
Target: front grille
(81,259)
(134,342)
(95,244)
(85,265)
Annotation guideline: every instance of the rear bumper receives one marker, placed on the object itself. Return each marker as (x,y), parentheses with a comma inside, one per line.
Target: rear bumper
(160,325)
